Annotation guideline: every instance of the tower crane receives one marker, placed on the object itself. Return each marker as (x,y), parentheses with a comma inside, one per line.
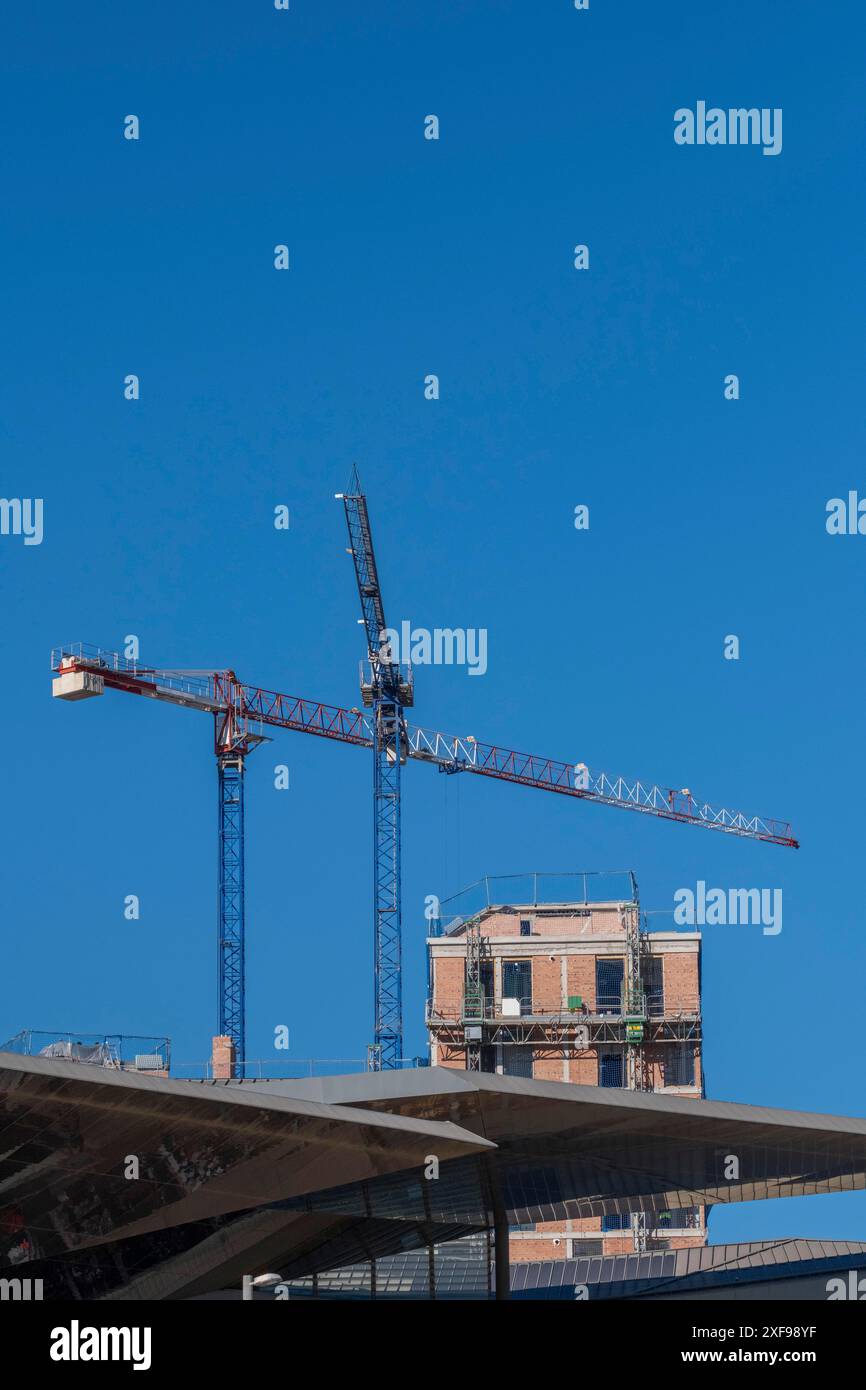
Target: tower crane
(387,691)
(241,713)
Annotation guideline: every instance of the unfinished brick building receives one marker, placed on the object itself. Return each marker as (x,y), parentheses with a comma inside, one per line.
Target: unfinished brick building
(555,986)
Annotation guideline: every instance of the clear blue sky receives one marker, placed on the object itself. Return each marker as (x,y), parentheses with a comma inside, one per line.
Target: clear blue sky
(558,387)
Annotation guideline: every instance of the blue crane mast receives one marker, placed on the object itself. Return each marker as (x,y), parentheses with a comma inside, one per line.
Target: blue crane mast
(233,742)
(387,690)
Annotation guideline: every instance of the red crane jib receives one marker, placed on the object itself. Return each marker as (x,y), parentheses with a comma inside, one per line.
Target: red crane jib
(220,692)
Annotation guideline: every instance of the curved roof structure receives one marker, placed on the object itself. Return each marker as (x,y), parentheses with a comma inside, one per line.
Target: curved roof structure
(135,1186)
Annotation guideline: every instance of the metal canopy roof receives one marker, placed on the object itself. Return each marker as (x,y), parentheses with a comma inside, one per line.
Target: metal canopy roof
(66,1130)
(315,1175)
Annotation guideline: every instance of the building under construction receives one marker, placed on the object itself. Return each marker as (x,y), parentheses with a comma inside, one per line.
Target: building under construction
(553,978)
(409,1181)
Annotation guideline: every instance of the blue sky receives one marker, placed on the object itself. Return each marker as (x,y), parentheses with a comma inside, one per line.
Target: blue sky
(558,387)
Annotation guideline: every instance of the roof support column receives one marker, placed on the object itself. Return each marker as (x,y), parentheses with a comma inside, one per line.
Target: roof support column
(501,1267)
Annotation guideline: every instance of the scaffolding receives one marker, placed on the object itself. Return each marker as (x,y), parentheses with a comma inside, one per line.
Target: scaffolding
(475,1001)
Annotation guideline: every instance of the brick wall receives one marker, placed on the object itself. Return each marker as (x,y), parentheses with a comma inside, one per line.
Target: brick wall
(580,979)
(655,1066)
(448,980)
(222,1058)
(598,920)
(548,1068)
(547,985)
(452,1057)
(583,1068)
(681,981)
(528,1249)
